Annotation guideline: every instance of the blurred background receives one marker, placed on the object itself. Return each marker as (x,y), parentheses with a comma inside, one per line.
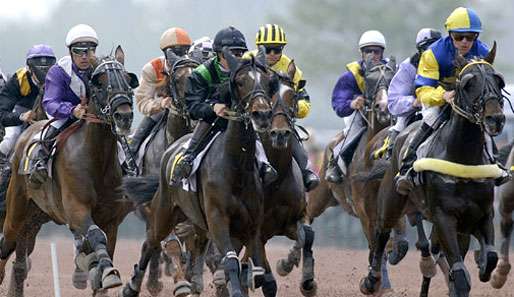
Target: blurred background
(322,38)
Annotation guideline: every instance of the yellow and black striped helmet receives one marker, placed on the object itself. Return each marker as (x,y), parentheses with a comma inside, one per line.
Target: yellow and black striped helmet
(270,34)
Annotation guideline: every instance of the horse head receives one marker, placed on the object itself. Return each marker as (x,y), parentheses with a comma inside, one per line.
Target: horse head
(111,92)
(479,93)
(179,69)
(377,77)
(250,86)
(285,107)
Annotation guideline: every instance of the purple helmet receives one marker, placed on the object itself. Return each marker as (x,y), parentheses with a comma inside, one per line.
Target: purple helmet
(40,50)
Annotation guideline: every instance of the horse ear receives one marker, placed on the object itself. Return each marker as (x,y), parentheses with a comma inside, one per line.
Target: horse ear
(291,69)
(392,62)
(491,55)
(460,61)
(232,61)
(119,55)
(133,81)
(301,84)
(171,57)
(261,55)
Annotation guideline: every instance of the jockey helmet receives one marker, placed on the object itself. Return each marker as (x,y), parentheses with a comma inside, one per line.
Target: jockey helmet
(372,37)
(81,33)
(426,37)
(463,20)
(40,58)
(231,38)
(201,50)
(270,34)
(174,36)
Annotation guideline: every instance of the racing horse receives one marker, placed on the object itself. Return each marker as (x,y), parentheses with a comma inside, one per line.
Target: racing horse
(456,190)
(228,206)
(174,124)
(82,190)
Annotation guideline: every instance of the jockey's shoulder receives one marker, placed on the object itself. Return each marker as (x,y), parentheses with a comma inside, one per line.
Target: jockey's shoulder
(154,70)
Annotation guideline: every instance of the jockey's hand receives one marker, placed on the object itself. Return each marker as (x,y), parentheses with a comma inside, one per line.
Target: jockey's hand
(357,103)
(27,117)
(219,109)
(79,111)
(166,102)
(448,96)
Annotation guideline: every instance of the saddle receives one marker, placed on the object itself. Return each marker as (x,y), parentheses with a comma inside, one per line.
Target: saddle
(32,148)
(140,154)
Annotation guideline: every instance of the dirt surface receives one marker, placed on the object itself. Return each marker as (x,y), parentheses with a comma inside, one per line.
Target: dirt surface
(337,271)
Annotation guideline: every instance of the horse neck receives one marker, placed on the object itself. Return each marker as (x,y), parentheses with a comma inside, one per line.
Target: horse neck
(375,127)
(100,143)
(464,141)
(176,126)
(240,144)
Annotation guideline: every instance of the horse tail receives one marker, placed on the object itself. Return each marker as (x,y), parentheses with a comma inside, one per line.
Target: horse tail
(140,189)
(377,171)
(503,153)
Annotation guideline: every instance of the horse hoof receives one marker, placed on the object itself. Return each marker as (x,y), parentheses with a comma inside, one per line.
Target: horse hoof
(219,278)
(500,274)
(127,291)
(154,287)
(399,253)
(79,279)
(111,278)
(283,267)
(427,267)
(369,285)
(490,264)
(309,288)
(182,289)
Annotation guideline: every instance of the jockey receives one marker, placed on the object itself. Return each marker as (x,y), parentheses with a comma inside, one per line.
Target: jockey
(402,101)
(348,99)
(66,86)
(273,38)
(206,99)
(17,100)
(152,96)
(201,50)
(436,67)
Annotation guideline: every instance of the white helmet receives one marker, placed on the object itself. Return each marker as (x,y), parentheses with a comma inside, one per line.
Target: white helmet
(203,43)
(372,37)
(81,33)
(427,36)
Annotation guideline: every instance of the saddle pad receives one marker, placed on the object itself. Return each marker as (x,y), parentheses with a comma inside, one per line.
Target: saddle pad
(140,156)
(28,161)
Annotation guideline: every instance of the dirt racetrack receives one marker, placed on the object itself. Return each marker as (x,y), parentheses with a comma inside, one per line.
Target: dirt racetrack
(338,273)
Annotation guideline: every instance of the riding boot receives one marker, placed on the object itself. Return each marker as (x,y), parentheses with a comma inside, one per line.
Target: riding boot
(392,139)
(334,173)
(310,179)
(506,174)
(5,174)
(404,181)
(40,173)
(142,131)
(184,162)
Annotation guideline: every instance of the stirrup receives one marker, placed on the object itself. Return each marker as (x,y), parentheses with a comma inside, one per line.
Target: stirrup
(504,178)
(268,174)
(334,174)
(182,169)
(39,175)
(310,180)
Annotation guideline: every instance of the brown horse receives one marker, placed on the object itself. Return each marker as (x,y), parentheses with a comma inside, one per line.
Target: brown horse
(457,204)
(285,204)
(230,205)
(175,124)
(81,192)
(506,193)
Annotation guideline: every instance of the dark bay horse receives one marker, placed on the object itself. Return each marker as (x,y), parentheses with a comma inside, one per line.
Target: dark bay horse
(229,201)
(285,204)
(82,191)
(175,124)
(457,205)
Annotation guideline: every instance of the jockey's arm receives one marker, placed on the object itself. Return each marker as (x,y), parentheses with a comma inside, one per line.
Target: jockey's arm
(197,92)
(53,103)
(9,96)
(146,100)
(304,100)
(427,80)
(344,92)
(400,91)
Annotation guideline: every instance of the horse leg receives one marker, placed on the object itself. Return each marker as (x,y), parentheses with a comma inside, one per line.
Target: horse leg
(153,284)
(427,263)
(460,282)
(400,243)
(173,248)
(487,258)
(308,285)
(285,265)
(16,211)
(79,277)
(503,268)
(198,250)
(133,287)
